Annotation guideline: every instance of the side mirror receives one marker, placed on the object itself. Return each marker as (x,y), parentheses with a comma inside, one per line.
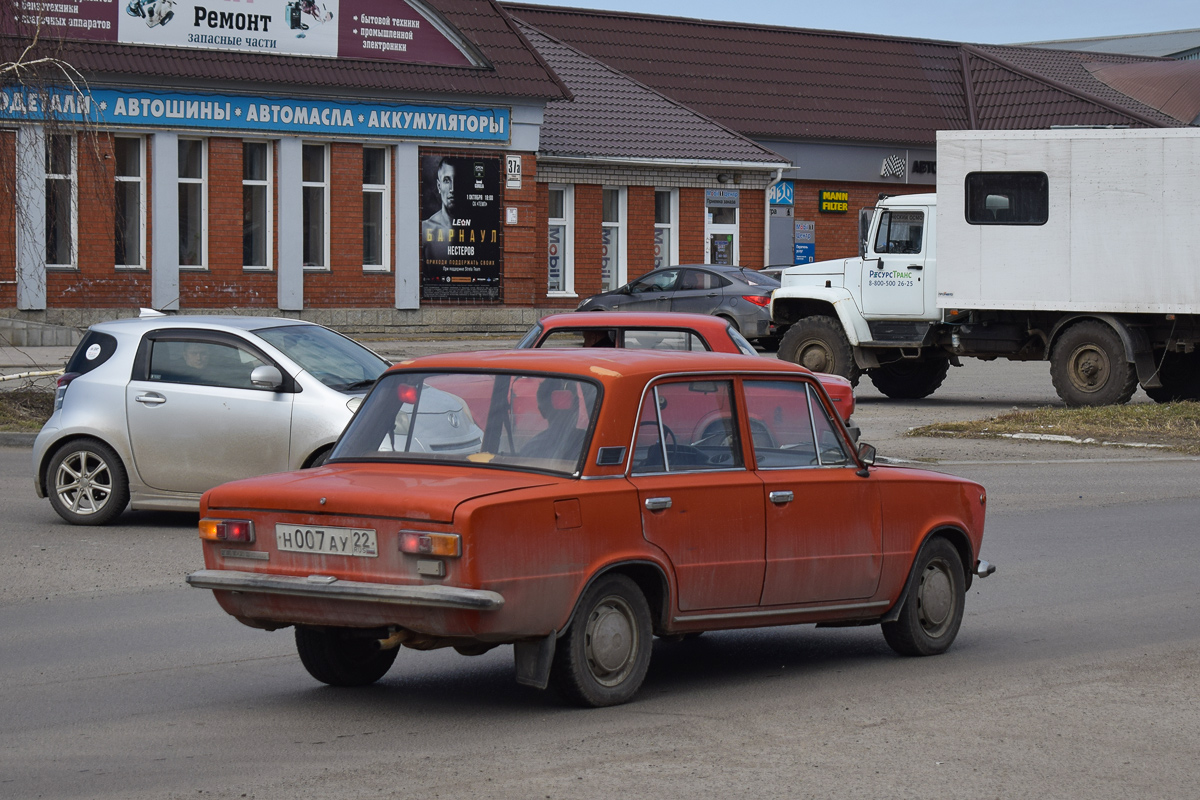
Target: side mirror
(866,456)
(267,376)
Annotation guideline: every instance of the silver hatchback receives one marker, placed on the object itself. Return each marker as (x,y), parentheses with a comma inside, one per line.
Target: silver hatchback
(152,412)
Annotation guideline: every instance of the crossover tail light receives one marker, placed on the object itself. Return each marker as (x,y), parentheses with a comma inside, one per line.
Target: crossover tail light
(60,388)
(758,299)
(420,543)
(227,530)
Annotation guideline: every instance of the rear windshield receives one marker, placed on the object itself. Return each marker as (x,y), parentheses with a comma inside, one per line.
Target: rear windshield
(539,422)
(756,278)
(94,350)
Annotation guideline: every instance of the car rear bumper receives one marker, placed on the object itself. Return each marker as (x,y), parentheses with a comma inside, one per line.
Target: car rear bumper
(327,587)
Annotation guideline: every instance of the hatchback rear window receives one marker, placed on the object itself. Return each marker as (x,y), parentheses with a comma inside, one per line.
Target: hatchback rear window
(94,350)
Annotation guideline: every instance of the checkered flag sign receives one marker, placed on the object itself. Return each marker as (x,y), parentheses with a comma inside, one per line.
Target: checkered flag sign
(893,167)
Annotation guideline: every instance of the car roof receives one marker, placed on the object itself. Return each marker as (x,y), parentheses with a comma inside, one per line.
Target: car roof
(701,323)
(606,364)
(139,325)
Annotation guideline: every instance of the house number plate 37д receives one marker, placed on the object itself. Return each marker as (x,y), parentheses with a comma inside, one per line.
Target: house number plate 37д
(327,541)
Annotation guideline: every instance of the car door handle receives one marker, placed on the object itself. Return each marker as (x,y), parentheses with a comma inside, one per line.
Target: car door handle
(781,497)
(150,399)
(658,503)
(917,267)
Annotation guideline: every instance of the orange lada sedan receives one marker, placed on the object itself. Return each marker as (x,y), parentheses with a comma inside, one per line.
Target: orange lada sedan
(612,496)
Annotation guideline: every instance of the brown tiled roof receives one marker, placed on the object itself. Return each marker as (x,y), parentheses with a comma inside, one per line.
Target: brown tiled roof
(614,116)
(1172,87)
(791,83)
(516,70)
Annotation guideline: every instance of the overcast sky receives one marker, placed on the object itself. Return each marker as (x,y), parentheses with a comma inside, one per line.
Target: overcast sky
(1000,22)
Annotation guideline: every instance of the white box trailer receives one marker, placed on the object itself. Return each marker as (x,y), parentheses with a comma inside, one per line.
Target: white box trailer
(1122,233)
(1077,246)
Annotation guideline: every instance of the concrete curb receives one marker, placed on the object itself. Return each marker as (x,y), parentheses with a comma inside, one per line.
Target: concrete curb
(14,439)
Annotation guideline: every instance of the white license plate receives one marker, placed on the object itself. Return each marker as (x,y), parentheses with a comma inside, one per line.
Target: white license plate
(326,541)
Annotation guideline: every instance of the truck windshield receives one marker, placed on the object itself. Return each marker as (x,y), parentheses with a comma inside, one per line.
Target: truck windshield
(900,232)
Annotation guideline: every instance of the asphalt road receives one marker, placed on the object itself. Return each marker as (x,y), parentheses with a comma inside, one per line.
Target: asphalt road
(1074,675)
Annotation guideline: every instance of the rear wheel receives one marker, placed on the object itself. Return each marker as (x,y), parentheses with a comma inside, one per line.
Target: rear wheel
(339,658)
(1180,377)
(910,379)
(602,658)
(87,483)
(933,609)
(1089,368)
(820,344)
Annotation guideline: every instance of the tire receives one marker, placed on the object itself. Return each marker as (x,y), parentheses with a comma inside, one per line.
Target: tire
(339,658)
(820,344)
(320,458)
(1180,377)
(910,379)
(933,608)
(87,483)
(1089,368)
(602,658)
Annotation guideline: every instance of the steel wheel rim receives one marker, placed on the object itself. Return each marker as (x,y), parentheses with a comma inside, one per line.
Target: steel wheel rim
(1088,368)
(813,355)
(935,598)
(83,483)
(611,641)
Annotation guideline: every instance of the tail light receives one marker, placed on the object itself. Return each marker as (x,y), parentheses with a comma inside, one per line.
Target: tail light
(227,530)
(763,300)
(60,388)
(420,543)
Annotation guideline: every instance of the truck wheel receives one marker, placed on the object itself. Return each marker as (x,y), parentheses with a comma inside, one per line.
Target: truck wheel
(602,658)
(819,344)
(933,609)
(339,659)
(1180,377)
(1089,368)
(910,379)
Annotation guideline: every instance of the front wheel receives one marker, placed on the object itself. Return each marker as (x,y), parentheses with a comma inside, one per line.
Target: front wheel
(602,658)
(1089,368)
(910,379)
(340,658)
(820,344)
(933,609)
(88,484)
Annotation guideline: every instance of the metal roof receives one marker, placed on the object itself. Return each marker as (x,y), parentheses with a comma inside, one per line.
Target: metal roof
(794,83)
(613,116)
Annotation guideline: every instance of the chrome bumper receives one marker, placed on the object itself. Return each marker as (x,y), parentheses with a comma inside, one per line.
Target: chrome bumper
(983,569)
(327,587)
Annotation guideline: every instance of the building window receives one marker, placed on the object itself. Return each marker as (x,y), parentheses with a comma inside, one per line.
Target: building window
(128,203)
(256,205)
(666,232)
(60,200)
(193,203)
(721,226)
(560,250)
(612,240)
(376,208)
(315,181)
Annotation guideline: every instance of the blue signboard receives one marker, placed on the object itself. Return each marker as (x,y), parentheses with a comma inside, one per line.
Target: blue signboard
(257,114)
(806,253)
(782,194)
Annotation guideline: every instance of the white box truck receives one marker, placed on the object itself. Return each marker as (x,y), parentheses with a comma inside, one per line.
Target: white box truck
(1077,246)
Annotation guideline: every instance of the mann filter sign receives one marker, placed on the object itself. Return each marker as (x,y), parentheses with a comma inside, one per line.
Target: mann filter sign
(388,30)
(834,201)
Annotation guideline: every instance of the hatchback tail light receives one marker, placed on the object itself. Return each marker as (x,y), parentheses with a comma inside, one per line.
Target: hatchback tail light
(763,300)
(60,388)
(227,530)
